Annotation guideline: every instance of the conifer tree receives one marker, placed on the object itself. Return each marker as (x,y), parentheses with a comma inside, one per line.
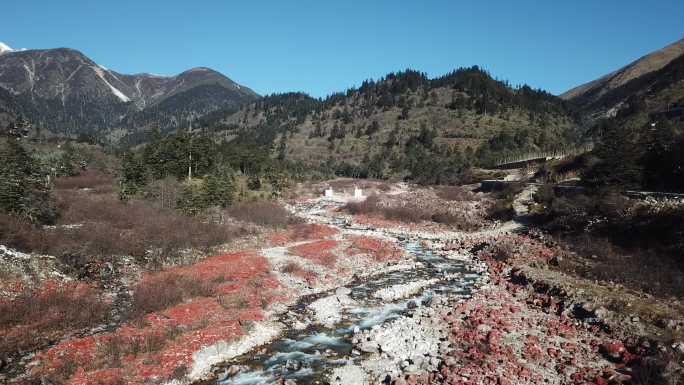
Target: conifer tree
(219,187)
(23,187)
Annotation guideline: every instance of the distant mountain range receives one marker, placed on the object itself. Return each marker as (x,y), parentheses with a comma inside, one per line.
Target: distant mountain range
(65,91)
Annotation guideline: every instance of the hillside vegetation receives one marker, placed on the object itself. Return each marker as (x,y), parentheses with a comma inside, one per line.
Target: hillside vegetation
(404,125)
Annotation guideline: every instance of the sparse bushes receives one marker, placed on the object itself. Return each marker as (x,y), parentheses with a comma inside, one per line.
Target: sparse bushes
(501,210)
(503,251)
(371,205)
(622,240)
(167,289)
(113,349)
(461,222)
(406,214)
(412,214)
(455,193)
(102,226)
(38,313)
(367,206)
(649,270)
(291,268)
(262,213)
(89,179)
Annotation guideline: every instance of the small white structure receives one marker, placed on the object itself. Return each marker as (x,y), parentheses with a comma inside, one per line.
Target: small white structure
(329,192)
(358,193)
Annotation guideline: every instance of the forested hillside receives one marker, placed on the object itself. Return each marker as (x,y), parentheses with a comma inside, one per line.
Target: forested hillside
(642,146)
(405,125)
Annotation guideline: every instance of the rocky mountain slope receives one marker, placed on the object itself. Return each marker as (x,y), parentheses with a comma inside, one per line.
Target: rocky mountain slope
(8,109)
(65,91)
(598,97)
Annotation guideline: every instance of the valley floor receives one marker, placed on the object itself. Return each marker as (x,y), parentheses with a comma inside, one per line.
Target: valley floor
(361,299)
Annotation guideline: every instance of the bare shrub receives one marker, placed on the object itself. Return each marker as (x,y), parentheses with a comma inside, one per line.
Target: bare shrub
(167,289)
(89,179)
(43,312)
(461,222)
(262,213)
(650,371)
(371,205)
(113,349)
(501,210)
(328,260)
(406,214)
(367,206)
(455,193)
(234,301)
(19,233)
(643,269)
(291,268)
(503,251)
(95,226)
(74,307)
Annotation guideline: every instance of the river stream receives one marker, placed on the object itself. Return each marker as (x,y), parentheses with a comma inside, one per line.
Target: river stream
(308,355)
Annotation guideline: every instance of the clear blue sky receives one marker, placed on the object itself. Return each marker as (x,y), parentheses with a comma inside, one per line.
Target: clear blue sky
(321,46)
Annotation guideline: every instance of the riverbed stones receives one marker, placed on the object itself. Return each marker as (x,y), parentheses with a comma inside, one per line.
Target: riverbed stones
(327,310)
(293,365)
(349,374)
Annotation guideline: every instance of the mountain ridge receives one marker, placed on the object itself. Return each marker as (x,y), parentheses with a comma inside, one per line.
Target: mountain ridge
(588,93)
(64,90)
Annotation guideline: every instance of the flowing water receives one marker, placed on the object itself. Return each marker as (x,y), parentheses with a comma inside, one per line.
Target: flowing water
(307,355)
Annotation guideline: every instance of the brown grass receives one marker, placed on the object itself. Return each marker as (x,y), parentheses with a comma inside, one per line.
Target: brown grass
(641,269)
(456,193)
(371,205)
(89,179)
(262,213)
(291,268)
(166,290)
(29,319)
(503,251)
(461,222)
(233,301)
(366,184)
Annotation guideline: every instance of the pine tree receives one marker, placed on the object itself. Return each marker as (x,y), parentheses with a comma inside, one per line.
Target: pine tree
(133,175)
(192,199)
(219,187)
(23,188)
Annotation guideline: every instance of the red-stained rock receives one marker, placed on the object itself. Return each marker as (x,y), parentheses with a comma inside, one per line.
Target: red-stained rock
(380,250)
(613,350)
(320,252)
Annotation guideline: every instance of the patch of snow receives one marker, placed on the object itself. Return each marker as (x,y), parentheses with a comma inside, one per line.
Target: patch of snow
(31,74)
(5,48)
(115,91)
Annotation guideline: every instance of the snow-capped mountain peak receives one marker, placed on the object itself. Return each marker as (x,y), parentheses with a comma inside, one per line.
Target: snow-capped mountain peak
(5,48)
